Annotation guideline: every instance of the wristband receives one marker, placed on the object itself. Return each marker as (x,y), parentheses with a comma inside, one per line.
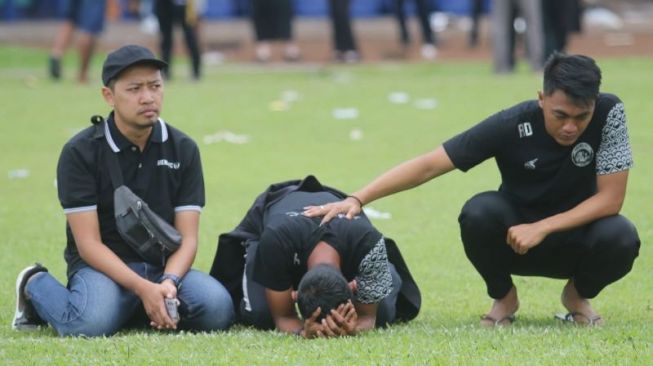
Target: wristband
(357,199)
(172,277)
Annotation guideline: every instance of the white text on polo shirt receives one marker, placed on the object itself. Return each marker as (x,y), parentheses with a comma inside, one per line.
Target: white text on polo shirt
(168,164)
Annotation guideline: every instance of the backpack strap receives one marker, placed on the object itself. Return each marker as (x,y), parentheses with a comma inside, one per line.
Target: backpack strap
(105,150)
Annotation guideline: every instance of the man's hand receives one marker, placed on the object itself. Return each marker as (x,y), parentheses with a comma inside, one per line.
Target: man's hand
(341,322)
(152,296)
(312,328)
(523,237)
(349,206)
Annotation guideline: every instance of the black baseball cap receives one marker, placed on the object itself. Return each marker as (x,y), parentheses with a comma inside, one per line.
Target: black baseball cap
(126,56)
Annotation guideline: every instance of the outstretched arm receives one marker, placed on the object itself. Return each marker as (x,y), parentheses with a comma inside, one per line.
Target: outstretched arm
(608,199)
(404,176)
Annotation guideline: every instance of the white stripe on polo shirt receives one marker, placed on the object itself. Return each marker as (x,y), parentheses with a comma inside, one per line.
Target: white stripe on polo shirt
(188,208)
(114,147)
(80,209)
(110,141)
(164,131)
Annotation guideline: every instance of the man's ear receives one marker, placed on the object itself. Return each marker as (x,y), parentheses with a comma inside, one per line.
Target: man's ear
(293,294)
(540,98)
(107,94)
(353,286)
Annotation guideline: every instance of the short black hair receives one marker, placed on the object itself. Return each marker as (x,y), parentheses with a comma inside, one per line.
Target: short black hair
(322,286)
(578,76)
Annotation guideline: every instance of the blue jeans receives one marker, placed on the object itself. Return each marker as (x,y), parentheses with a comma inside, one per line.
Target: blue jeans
(94,305)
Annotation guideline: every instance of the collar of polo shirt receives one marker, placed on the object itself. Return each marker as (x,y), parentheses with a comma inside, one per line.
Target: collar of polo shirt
(118,142)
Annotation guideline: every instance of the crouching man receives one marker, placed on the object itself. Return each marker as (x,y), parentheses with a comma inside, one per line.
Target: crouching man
(345,276)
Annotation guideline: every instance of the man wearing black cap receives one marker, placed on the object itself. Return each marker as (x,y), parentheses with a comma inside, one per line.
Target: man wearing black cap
(109,284)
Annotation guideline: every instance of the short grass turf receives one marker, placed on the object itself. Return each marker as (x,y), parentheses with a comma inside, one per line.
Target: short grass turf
(38,116)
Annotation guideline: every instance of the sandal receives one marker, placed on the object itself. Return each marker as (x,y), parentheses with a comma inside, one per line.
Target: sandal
(506,320)
(574,318)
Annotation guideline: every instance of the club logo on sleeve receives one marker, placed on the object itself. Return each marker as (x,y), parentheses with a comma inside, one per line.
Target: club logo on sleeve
(525,129)
(582,154)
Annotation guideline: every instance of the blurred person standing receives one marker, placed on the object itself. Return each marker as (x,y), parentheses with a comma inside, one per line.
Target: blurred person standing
(185,13)
(343,37)
(87,16)
(475,14)
(273,22)
(504,13)
(560,17)
(428,49)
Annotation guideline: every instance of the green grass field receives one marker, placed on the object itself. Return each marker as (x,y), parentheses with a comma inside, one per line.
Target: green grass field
(38,116)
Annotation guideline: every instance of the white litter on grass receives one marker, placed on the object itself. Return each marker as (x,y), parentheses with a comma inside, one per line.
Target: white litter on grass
(344,113)
(18,173)
(398,97)
(290,96)
(226,136)
(426,103)
(212,58)
(278,106)
(31,81)
(342,78)
(356,134)
(374,214)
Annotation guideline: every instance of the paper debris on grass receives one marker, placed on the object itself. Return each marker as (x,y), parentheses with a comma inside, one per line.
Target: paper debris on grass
(426,103)
(356,134)
(374,214)
(278,106)
(226,136)
(398,97)
(21,173)
(290,96)
(345,113)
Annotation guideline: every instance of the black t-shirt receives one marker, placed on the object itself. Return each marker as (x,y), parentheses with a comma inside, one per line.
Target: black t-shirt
(535,170)
(167,175)
(289,238)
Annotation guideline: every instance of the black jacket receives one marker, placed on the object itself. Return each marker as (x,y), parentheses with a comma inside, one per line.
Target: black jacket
(229,262)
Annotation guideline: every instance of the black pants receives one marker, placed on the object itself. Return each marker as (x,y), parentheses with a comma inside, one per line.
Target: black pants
(593,256)
(168,14)
(561,17)
(423,13)
(343,36)
(272,19)
(254,309)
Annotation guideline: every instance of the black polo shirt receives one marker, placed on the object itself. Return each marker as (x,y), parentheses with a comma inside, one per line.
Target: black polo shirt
(289,238)
(167,175)
(535,170)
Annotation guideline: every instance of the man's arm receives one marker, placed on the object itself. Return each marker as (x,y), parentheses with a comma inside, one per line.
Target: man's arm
(404,176)
(179,263)
(86,230)
(608,199)
(284,315)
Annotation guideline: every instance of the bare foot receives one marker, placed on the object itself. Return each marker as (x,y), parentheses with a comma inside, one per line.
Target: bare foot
(503,310)
(579,307)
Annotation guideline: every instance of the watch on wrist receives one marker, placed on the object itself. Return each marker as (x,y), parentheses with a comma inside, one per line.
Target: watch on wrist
(172,277)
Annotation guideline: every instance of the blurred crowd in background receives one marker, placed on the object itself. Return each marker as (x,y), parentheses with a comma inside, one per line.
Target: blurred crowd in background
(540,27)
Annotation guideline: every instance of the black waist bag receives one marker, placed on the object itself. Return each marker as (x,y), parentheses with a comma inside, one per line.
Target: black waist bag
(147,233)
(151,237)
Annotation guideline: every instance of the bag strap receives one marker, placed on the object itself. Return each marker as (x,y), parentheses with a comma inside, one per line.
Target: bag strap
(112,160)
